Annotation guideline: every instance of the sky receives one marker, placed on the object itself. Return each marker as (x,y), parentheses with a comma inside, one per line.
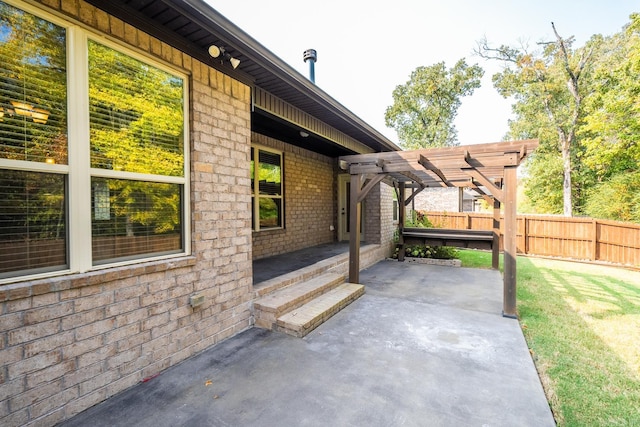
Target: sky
(366,47)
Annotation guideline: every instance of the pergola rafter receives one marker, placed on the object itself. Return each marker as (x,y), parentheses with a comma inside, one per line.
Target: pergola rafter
(490,166)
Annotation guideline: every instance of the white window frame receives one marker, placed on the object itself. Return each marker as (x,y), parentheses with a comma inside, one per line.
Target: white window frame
(77,169)
(255,195)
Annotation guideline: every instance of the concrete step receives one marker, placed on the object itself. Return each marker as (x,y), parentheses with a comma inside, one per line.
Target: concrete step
(269,307)
(302,320)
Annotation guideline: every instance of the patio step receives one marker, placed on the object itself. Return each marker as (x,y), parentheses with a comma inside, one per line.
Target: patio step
(315,294)
(300,321)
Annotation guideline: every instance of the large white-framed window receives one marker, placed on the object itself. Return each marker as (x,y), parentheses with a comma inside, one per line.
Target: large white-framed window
(267,199)
(93,159)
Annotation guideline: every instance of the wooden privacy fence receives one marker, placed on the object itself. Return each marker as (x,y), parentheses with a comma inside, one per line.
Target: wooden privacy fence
(575,238)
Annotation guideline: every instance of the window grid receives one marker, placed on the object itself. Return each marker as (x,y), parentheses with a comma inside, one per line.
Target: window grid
(267,198)
(79,178)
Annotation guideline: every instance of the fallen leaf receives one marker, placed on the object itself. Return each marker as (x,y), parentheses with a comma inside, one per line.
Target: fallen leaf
(216,396)
(208,383)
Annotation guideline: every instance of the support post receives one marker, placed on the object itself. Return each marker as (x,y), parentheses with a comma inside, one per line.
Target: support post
(354,230)
(402,214)
(510,229)
(495,248)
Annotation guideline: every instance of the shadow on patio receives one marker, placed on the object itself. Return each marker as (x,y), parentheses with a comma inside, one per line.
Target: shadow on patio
(426,345)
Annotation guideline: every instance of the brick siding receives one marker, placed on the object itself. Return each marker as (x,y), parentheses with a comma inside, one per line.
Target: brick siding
(69,342)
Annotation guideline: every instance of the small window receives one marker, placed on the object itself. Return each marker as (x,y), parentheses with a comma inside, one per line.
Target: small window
(268,211)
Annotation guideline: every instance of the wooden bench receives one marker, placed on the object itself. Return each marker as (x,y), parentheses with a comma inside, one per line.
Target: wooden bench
(472,239)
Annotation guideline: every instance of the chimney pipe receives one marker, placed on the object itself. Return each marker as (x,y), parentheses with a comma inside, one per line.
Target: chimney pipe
(312,56)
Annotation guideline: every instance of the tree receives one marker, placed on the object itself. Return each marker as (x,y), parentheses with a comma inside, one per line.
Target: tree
(611,127)
(612,115)
(549,90)
(424,108)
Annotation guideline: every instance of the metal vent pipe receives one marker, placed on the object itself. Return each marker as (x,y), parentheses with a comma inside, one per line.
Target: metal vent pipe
(312,56)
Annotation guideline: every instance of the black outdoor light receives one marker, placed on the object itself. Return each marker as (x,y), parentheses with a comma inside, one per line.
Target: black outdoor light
(220,52)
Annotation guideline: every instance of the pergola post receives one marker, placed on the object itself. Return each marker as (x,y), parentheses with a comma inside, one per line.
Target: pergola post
(509,296)
(495,250)
(354,229)
(402,215)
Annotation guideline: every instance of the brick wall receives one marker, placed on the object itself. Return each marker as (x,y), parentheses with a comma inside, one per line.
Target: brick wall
(69,342)
(379,225)
(437,199)
(309,201)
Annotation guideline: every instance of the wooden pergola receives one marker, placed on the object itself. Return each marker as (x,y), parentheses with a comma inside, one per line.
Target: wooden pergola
(488,169)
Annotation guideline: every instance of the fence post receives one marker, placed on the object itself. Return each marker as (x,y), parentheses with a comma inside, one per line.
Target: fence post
(594,240)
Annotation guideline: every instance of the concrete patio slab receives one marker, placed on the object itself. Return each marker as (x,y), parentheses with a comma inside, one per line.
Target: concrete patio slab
(425,346)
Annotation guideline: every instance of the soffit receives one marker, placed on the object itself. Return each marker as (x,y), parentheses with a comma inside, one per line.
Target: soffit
(192,26)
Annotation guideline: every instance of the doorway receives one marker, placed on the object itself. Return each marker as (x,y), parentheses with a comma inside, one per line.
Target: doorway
(344,209)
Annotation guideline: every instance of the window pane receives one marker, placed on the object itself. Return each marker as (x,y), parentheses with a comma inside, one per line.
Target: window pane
(32,223)
(270,212)
(136,115)
(131,219)
(33,92)
(270,173)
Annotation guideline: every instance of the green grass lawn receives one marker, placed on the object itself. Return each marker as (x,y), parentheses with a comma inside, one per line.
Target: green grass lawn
(582,325)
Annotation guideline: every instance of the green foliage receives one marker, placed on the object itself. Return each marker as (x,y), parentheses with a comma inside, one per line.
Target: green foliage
(425,107)
(612,120)
(434,252)
(419,219)
(543,183)
(617,198)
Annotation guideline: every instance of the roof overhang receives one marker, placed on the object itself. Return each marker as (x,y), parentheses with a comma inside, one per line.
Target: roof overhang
(192,26)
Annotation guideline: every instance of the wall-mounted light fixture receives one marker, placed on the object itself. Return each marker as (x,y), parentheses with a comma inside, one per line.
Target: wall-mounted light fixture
(222,54)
